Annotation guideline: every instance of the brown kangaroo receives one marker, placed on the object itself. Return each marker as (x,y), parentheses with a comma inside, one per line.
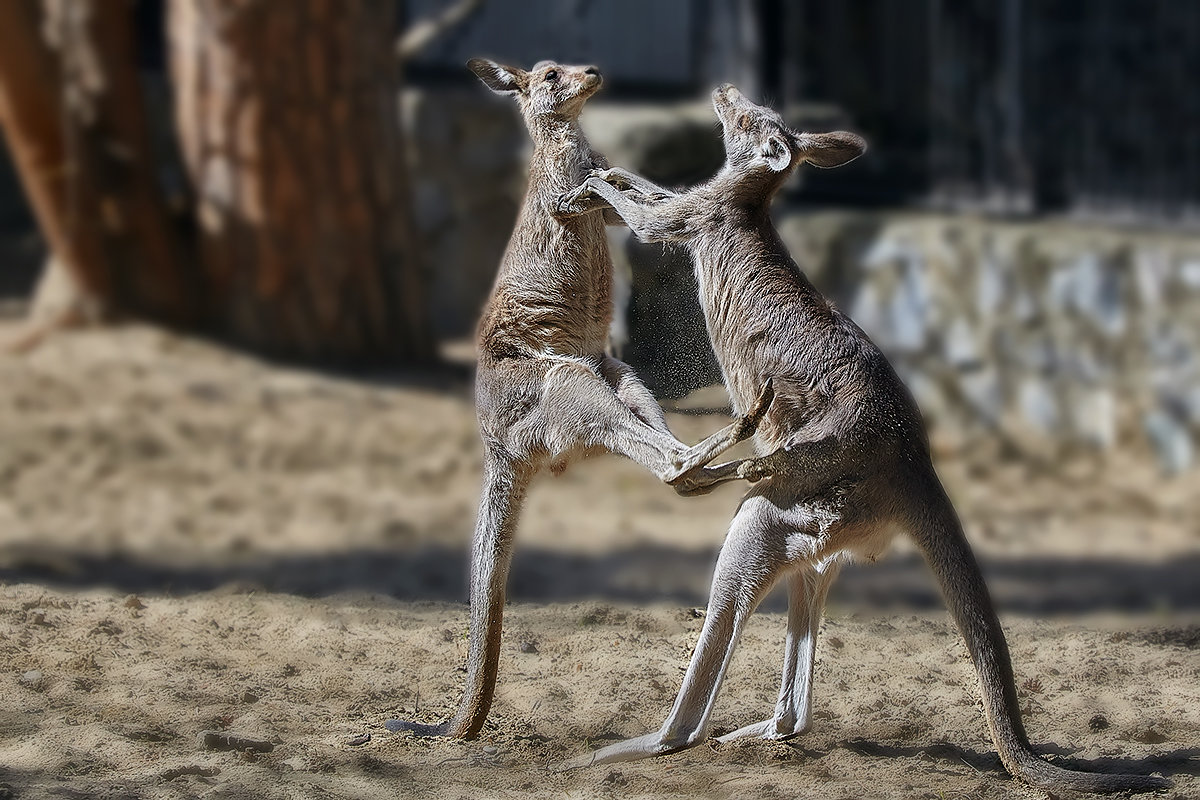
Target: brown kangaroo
(848,453)
(545,390)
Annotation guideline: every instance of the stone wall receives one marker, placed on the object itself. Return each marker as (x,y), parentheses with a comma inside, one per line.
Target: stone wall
(1053,333)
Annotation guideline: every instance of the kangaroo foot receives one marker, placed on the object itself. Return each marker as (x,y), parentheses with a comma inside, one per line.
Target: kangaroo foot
(648,746)
(767,729)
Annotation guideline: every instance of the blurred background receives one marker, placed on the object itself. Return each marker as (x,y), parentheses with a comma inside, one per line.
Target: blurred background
(302,206)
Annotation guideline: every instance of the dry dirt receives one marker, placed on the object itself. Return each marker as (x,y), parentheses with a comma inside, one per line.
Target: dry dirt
(192,540)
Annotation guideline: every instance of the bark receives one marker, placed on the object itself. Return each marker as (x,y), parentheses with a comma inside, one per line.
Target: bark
(71,107)
(290,132)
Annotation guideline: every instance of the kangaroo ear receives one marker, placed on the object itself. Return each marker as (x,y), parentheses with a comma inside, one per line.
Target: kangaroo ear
(776,153)
(828,150)
(497,77)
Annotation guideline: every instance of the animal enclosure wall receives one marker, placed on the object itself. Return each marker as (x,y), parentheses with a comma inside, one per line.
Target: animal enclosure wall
(1050,335)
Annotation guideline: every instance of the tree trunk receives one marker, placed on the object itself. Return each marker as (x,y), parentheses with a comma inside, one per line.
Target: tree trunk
(70,103)
(289,126)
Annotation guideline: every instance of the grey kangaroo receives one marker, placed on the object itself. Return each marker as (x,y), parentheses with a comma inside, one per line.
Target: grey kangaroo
(545,390)
(848,457)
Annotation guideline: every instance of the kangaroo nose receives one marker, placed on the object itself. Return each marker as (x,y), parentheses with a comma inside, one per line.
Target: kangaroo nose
(591,71)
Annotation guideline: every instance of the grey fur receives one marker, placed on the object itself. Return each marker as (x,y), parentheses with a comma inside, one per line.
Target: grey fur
(848,457)
(545,390)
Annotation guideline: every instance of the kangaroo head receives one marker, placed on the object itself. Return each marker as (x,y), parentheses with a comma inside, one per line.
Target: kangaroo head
(547,90)
(758,143)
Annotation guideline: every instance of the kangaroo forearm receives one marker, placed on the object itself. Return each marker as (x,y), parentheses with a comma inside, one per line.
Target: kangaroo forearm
(650,221)
(623,178)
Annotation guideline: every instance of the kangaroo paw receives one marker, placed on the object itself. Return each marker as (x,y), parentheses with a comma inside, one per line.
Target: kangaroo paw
(613,177)
(751,471)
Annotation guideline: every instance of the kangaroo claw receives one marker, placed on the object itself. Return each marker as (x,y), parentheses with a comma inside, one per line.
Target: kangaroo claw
(749,422)
(612,177)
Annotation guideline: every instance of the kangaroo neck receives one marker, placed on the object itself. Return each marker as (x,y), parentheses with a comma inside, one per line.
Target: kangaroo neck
(561,154)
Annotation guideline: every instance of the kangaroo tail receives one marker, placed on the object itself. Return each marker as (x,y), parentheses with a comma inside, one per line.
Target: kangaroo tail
(939,535)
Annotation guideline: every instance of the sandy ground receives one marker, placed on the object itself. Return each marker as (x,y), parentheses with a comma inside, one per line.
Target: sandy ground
(192,540)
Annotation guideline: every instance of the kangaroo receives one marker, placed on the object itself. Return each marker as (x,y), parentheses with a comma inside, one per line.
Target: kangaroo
(844,441)
(546,392)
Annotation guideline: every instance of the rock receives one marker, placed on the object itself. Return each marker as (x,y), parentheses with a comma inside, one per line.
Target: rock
(985,393)
(959,344)
(1170,439)
(615,779)
(990,286)
(1189,273)
(867,310)
(911,308)
(1151,269)
(145,733)
(190,769)
(1039,406)
(223,740)
(33,679)
(1150,736)
(1096,418)
(1093,290)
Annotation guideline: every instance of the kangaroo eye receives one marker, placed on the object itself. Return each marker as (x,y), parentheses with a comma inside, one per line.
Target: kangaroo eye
(744,122)
(552,75)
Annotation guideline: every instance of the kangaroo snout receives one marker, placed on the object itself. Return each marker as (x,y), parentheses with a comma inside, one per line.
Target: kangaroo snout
(591,78)
(727,94)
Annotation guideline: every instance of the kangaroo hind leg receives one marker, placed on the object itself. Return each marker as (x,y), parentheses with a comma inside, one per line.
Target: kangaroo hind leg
(633,393)
(579,407)
(504,487)
(807,590)
(752,558)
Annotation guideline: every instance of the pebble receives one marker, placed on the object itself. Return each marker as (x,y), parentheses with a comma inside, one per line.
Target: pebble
(32,679)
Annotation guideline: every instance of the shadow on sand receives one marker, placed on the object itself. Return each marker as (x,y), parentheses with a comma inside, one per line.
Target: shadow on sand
(1185,761)
(1032,586)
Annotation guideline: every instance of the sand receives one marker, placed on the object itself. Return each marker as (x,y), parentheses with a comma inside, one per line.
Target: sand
(193,540)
